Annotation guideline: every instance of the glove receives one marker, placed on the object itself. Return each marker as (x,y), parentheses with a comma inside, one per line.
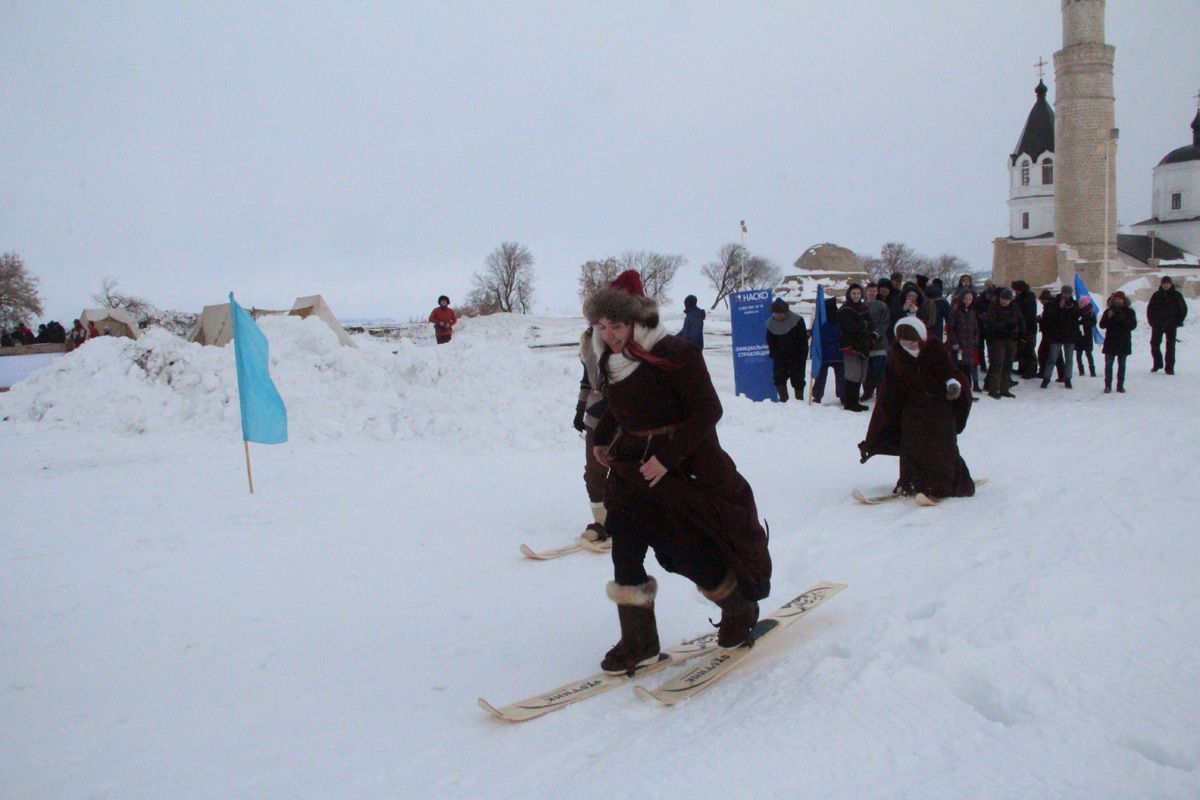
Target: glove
(864,452)
(953,389)
(577,423)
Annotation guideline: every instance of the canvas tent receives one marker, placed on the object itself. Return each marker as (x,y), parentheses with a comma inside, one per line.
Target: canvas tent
(214,326)
(118,321)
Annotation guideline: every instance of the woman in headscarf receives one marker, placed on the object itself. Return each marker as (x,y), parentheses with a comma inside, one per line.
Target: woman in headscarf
(671,487)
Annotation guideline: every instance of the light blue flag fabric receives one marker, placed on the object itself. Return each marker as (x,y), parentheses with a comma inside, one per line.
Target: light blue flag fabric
(264,418)
(1081,291)
(814,347)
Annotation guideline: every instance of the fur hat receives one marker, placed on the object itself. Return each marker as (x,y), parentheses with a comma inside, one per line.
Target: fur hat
(630,281)
(619,305)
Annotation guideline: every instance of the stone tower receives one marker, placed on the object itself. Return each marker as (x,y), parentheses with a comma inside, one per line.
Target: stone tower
(1085,137)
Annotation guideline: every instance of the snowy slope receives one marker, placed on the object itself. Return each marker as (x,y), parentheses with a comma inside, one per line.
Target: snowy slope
(166,634)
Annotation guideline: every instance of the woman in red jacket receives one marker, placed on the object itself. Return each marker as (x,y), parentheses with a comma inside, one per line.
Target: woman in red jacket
(443,319)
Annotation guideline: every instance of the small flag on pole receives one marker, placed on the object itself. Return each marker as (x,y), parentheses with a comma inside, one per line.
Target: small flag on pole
(264,418)
(1081,292)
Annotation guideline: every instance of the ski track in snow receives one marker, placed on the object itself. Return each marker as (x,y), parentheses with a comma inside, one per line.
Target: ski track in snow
(165,634)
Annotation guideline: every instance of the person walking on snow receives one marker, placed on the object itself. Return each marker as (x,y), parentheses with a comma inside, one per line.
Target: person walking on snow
(922,408)
(693,322)
(1118,321)
(1165,312)
(588,410)
(443,319)
(787,344)
(671,486)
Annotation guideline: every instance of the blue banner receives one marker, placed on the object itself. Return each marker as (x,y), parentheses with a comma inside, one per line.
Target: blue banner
(1081,291)
(815,357)
(752,368)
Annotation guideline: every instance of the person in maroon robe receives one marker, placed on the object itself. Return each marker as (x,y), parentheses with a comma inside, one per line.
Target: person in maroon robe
(671,487)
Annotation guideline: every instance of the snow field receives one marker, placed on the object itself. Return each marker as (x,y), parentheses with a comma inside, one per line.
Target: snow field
(168,635)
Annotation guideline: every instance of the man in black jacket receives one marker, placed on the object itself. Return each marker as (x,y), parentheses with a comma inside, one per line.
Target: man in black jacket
(1165,313)
(1005,326)
(1060,326)
(1026,303)
(787,342)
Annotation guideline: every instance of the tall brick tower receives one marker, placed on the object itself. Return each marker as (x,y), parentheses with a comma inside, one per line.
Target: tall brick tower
(1085,138)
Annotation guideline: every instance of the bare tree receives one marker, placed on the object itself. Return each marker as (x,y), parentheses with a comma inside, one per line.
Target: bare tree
(506,281)
(736,270)
(19,298)
(948,267)
(899,257)
(108,297)
(656,270)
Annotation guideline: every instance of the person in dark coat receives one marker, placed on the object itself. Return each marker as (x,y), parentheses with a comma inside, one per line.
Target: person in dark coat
(923,405)
(857,335)
(941,309)
(1085,336)
(787,342)
(693,322)
(1005,326)
(881,320)
(1165,313)
(1027,304)
(1118,322)
(831,354)
(962,334)
(671,486)
(1060,325)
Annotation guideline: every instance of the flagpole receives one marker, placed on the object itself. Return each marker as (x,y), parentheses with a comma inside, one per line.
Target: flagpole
(249,475)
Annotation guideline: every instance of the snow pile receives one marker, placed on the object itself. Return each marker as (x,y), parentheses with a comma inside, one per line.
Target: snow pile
(479,387)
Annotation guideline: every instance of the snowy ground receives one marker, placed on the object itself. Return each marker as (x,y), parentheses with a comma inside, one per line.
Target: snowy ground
(167,635)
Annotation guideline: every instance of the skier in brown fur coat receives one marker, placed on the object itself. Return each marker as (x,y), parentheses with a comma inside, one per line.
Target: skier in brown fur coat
(671,487)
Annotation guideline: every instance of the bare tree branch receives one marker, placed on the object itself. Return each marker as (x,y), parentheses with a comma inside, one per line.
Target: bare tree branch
(506,281)
(19,299)
(736,270)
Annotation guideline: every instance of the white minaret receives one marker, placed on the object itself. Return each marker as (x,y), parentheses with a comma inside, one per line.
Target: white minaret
(1085,215)
(1031,171)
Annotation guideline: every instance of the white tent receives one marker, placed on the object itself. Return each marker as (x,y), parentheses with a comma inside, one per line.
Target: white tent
(117,321)
(214,327)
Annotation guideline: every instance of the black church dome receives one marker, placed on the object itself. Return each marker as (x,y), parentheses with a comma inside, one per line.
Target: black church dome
(1038,134)
(1189,152)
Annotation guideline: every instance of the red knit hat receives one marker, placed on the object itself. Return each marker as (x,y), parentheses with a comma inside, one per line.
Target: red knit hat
(629,281)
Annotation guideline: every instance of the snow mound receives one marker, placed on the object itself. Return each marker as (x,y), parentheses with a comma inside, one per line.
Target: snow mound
(476,388)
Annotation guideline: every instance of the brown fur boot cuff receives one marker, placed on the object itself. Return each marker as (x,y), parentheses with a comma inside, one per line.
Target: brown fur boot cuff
(641,595)
(723,590)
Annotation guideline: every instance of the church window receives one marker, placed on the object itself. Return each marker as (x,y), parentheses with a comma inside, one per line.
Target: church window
(1047,172)
(1176,201)
(1024,173)
(1024,220)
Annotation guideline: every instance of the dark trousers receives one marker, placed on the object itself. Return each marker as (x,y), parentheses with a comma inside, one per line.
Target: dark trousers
(1079,354)
(1156,337)
(781,373)
(1027,357)
(595,474)
(1108,362)
(839,380)
(700,563)
(1001,353)
(441,338)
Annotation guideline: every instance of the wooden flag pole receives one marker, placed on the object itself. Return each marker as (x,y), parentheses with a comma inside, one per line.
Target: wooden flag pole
(249,475)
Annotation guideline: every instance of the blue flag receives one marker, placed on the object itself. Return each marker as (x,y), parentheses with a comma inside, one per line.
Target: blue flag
(814,348)
(1080,292)
(264,418)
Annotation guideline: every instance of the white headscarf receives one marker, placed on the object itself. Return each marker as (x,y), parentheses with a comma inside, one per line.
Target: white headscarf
(915,323)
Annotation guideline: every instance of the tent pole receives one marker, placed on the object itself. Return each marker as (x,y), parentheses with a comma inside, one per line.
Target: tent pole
(249,475)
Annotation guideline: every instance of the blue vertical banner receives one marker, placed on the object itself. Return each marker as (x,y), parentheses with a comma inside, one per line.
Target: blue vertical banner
(264,417)
(749,312)
(1081,291)
(815,356)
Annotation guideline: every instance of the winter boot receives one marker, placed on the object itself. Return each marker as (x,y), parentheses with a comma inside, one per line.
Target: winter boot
(850,397)
(639,632)
(595,531)
(738,615)
(1121,388)
(781,388)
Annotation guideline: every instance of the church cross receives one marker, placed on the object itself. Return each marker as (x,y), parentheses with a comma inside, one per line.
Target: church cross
(1041,68)
(1198,101)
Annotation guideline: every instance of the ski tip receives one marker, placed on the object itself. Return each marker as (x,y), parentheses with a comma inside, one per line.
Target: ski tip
(980,481)
(527,551)
(644,693)
(488,707)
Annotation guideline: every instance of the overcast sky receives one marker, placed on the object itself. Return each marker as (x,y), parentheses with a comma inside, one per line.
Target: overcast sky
(377,152)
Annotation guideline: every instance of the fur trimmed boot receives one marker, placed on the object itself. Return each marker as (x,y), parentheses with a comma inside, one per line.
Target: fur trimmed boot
(639,631)
(738,615)
(595,531)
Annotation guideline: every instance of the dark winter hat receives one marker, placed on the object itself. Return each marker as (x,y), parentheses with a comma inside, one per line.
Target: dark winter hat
(852,287)
(1118,295)
(779,304)
(1006,293)
(619,305)
(1067,290)
(921,280)
(1166,279)
(1020,286)
(630,281)
(690,301)
(885,283)
(441,298)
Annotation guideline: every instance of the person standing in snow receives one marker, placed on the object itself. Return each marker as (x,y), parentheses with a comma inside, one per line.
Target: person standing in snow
(787,343)
(857,335)
(78,335)
(1165,312)
(693,322)
(671,487)
(921,409)
(1027,353)
(1084,336)
(1118,321)
(962,334)
(588,410)
(1005,327)
(1060,325)
(443,319)
(881,321)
